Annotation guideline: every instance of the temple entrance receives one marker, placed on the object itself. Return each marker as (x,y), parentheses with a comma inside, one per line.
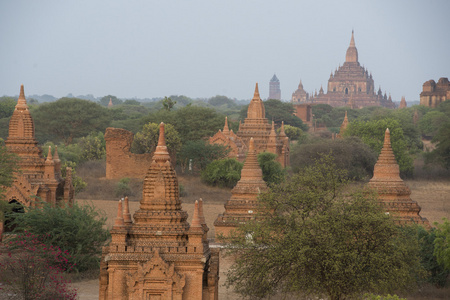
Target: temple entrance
(346,91)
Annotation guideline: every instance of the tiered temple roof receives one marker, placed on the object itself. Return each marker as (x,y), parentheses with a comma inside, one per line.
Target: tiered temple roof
(255,126)
(243,203)
(351,83)
(39,178)
(393,193)
(159,254)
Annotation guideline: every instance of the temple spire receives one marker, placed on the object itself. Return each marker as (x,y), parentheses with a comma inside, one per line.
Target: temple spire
(126,212)
(49,154)
(161,154)
(256,94)
(119,219)
(352,53)
(196,221)
(22,102)
(226,130)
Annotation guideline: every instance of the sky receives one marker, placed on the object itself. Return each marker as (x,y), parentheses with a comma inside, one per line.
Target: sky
(146,48)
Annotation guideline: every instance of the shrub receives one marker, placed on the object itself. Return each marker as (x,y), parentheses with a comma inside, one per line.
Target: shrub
(77,229)
(32,270)
(122,188)
(78,183)
(224,172)
(201,153)
(272,170)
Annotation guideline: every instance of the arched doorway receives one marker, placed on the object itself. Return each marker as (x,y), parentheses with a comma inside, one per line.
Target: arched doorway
(346,91)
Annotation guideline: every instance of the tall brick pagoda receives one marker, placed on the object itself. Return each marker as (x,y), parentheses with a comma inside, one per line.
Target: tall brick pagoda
(159,255)
(351,82)
(393,193)
(243,203)
(255,126)
(39,178)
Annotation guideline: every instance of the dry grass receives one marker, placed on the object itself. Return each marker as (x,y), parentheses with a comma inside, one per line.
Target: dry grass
(432,195)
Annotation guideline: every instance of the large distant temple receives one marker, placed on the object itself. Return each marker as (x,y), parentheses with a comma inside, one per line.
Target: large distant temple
(255,126)
(39,178)
(434,93)
(351,85)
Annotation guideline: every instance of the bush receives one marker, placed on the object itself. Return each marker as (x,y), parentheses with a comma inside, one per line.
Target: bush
(224,173)
(201,153)
(32,270)
(78,183)
(122,188)
(349,154)
(77,229)
(272,170)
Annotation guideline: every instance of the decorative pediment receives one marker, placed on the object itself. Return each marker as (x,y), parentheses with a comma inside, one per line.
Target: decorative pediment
(155,277)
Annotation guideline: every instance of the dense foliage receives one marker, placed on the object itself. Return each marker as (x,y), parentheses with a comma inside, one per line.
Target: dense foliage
(273,172)
(196,155)
(77,229)
(349,154)
(69,118)
(224,172)
(316,236)
(145,141)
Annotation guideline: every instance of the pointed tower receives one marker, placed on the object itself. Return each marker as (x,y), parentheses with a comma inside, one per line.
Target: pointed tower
(110,104)
(243,203)
(352,53)
(159,255)
(21,140)
(393,193)
(272,141)
(402,103)
(226,130)
(343,126)
(274,88)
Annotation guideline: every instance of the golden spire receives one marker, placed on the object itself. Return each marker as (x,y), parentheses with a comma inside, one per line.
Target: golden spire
(256,94)
(49,155)
(22,102)
(251,169)
(386,166)
(282,133)
(161,154)
(352,52)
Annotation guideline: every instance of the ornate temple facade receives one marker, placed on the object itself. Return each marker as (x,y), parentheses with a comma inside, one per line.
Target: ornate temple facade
(393,193)
(274,88)
(243,203)
(434,93)
(39,178)
(351,85)
(255,126)
(159,255)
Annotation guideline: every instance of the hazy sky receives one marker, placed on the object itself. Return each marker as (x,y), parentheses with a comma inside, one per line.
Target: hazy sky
(147,48)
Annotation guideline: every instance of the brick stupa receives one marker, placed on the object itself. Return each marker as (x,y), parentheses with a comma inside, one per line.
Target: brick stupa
(344,126)
(159,255)
(393,193)
(255,126)
(39,177)
(243,203)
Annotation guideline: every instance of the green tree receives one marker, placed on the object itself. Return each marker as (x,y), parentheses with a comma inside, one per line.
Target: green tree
(7,105)
(372,133)
(77,229)
(350,154)
(316,236)
(200,154)
(221,101)
(146,140)
(293,133)
(272,170)
(442,244)
(69,118)
(431,122)
(93,146)
(168,104)
(8,167)
(224,172)
(441,154)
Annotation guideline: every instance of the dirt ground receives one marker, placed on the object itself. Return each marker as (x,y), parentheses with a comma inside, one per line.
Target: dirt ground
(432,196)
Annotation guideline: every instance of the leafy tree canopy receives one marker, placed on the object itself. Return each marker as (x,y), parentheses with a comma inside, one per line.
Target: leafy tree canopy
(224,172)
(7,105)
(349,154)
(432,121)
(372,134)
(168,103)
(442,244)
(69,118)
(317,236)
(273,172)
(200,153)
(221,101)
(146,140)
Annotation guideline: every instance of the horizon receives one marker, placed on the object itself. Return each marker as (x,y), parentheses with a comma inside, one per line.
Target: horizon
(148,49)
